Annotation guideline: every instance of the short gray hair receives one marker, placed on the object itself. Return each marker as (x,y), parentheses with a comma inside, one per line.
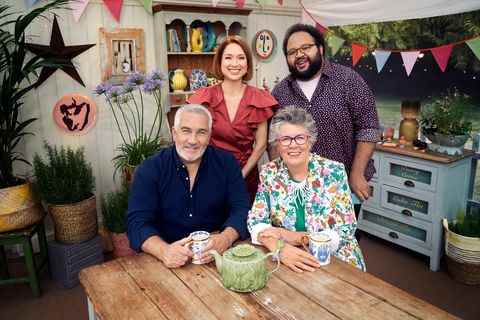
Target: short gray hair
(193,108)
(295,116)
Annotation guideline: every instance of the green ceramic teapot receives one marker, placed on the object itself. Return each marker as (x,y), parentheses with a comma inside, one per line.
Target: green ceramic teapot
(243,267)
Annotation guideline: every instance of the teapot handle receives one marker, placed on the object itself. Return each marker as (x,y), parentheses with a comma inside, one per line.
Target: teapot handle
(276,253)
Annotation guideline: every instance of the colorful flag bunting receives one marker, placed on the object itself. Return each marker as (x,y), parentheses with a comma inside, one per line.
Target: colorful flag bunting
(335,44)
(240,3)
(474,44)
(409,58)
(280,2)
(30,3)
(78,7)
(381,58)
(441,55)
(147,4)
(357,52)
(321,28)
(115,8)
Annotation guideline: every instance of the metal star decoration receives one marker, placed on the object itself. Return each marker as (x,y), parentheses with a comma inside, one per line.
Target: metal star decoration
(60,53)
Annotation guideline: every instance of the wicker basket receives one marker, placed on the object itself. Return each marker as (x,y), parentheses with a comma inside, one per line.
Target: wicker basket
(19,208)
(75,222)
(463,256)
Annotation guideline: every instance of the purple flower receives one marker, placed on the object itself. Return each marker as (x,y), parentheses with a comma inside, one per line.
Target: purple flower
(128,87)
(103,88)
(115,92)
(151,85)
(157,75)
(136,78)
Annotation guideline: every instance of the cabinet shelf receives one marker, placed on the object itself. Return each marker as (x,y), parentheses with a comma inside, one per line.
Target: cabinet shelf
(180,93)
(182,53)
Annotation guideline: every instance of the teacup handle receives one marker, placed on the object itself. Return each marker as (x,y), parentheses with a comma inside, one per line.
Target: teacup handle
(304,241)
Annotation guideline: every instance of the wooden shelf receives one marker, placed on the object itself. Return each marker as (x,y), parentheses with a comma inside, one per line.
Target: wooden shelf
(189,53)
(179,93)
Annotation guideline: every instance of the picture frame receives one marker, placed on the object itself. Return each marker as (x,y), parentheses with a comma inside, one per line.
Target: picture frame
(123,53)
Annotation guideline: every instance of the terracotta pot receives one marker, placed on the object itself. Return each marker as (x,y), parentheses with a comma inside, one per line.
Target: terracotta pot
(121,245)
(19,208)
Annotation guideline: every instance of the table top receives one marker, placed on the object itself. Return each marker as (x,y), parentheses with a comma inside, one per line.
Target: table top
(140,287)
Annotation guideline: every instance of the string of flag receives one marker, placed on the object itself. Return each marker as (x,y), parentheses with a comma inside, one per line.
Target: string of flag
(441,54)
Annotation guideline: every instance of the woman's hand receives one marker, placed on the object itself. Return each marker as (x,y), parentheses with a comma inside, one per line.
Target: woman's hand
(297,259)
(292,237)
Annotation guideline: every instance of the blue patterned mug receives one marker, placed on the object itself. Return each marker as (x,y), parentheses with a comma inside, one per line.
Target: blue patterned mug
(198,243)
(319,246)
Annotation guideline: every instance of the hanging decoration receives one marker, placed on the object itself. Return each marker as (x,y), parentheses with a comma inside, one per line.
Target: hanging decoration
(74,113)
(78,7)
(58,51)
(240,3)
(381,58)
(30,3)
(409,57)
(115,8)
(147,4)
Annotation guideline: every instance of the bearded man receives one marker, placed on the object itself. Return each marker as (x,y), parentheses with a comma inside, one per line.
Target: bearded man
(341,103)
(188,187)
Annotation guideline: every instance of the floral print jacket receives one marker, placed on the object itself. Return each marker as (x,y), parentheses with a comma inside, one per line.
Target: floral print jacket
(328,204)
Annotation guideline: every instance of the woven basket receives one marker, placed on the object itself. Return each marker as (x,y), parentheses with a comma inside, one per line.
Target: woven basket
(19,208)
(463,256)
(75,222)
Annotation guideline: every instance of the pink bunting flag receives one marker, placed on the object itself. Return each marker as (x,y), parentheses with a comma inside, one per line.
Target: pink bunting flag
(441,55)
(115,8)
(409,58)
(240,3)
(321,28)
(78,7)
(215,2)
(357,51)
(280,2)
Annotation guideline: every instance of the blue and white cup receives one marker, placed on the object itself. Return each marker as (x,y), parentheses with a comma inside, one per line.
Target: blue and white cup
(319,245)
(199,242)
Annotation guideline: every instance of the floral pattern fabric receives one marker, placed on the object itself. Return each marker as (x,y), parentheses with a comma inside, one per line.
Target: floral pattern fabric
(328,205)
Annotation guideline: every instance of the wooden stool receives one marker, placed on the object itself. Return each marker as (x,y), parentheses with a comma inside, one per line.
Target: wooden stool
(24,237)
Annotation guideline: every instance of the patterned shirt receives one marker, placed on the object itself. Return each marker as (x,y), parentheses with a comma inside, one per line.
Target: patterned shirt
(343,107)
(327,200)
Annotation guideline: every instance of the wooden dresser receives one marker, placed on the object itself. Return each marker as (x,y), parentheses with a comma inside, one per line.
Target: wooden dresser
(412,193)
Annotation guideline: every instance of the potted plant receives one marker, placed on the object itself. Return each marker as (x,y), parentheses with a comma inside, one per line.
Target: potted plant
(66,183)
(128,103)
(444,124)
(462,247)
(18,206)
(114,211)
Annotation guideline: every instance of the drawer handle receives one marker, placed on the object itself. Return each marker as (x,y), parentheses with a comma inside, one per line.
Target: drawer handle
(407,213)
(393,235)
(409,184)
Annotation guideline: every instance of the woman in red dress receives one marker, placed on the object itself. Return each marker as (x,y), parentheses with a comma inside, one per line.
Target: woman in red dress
(240,112)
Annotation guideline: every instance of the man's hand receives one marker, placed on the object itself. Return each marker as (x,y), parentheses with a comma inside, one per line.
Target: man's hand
(297,259)
(359,186)
(218,242)
(177,254)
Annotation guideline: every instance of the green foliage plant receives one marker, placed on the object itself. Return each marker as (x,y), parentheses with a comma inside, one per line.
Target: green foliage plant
(467,225)
(446,115)
(17,68)
(114,210)
(65,177)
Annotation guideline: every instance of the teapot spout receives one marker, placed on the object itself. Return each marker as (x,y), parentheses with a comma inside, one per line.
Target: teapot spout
(218,259)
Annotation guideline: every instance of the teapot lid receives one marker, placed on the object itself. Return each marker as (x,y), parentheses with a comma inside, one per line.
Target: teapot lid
(243,253)
(243,250)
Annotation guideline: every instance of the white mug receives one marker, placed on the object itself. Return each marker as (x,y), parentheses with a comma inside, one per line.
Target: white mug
(199,242)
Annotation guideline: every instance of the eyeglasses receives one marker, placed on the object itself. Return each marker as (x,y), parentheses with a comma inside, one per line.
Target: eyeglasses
(300,139)
(293,52)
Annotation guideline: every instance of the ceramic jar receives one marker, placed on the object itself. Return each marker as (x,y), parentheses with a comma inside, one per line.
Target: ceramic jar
(179,81)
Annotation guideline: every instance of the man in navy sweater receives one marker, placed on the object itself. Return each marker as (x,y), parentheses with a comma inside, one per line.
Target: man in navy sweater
(188,187)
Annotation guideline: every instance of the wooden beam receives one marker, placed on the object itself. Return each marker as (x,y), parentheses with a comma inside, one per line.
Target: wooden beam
(200,9)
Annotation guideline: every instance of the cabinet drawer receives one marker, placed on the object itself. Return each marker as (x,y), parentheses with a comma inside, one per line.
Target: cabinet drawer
(374,194)
(410,175)
(396,228)
(410,204)
(177,99)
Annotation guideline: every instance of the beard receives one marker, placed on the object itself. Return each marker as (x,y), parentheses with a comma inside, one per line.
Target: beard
(314,66)
(188,158)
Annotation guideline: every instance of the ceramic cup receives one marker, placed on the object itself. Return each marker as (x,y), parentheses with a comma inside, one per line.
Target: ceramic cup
(319,245)
(198,243)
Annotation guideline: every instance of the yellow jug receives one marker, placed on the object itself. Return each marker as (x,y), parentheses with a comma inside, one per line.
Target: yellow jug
(197,39)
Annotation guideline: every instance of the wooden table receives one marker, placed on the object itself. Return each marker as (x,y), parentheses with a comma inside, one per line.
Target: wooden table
(140,287)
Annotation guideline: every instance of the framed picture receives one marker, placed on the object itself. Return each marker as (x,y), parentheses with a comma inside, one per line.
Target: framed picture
(123,53)
(264,45)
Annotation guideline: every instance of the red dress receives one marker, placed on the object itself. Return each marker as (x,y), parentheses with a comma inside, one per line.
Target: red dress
(237,137)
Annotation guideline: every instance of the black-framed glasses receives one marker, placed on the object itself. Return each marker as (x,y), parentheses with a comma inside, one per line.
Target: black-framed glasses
(293,52)
(299,139)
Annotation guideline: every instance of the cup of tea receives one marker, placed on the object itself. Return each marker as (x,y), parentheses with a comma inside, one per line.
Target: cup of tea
(198,243)
(319,246)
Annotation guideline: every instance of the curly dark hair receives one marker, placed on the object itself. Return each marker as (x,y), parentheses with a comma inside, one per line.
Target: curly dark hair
(300,27)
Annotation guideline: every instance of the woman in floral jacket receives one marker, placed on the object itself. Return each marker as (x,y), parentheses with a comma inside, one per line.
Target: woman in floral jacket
(300,193)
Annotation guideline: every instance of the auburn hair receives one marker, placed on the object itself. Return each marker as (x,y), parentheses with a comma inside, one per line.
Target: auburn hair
(217,59)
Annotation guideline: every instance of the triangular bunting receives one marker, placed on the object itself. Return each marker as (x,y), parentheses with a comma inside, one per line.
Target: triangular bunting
(474,44)
(215,2)
(280,2)
(321,28)
(115,8)
(441,55)
(30,3)
(409,58)
(240,3)
(357,51)
(381,58)
(78,7)
(147,4)
(335,44)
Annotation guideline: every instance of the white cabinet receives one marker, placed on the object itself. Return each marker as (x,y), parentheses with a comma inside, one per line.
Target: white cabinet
(412,192)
